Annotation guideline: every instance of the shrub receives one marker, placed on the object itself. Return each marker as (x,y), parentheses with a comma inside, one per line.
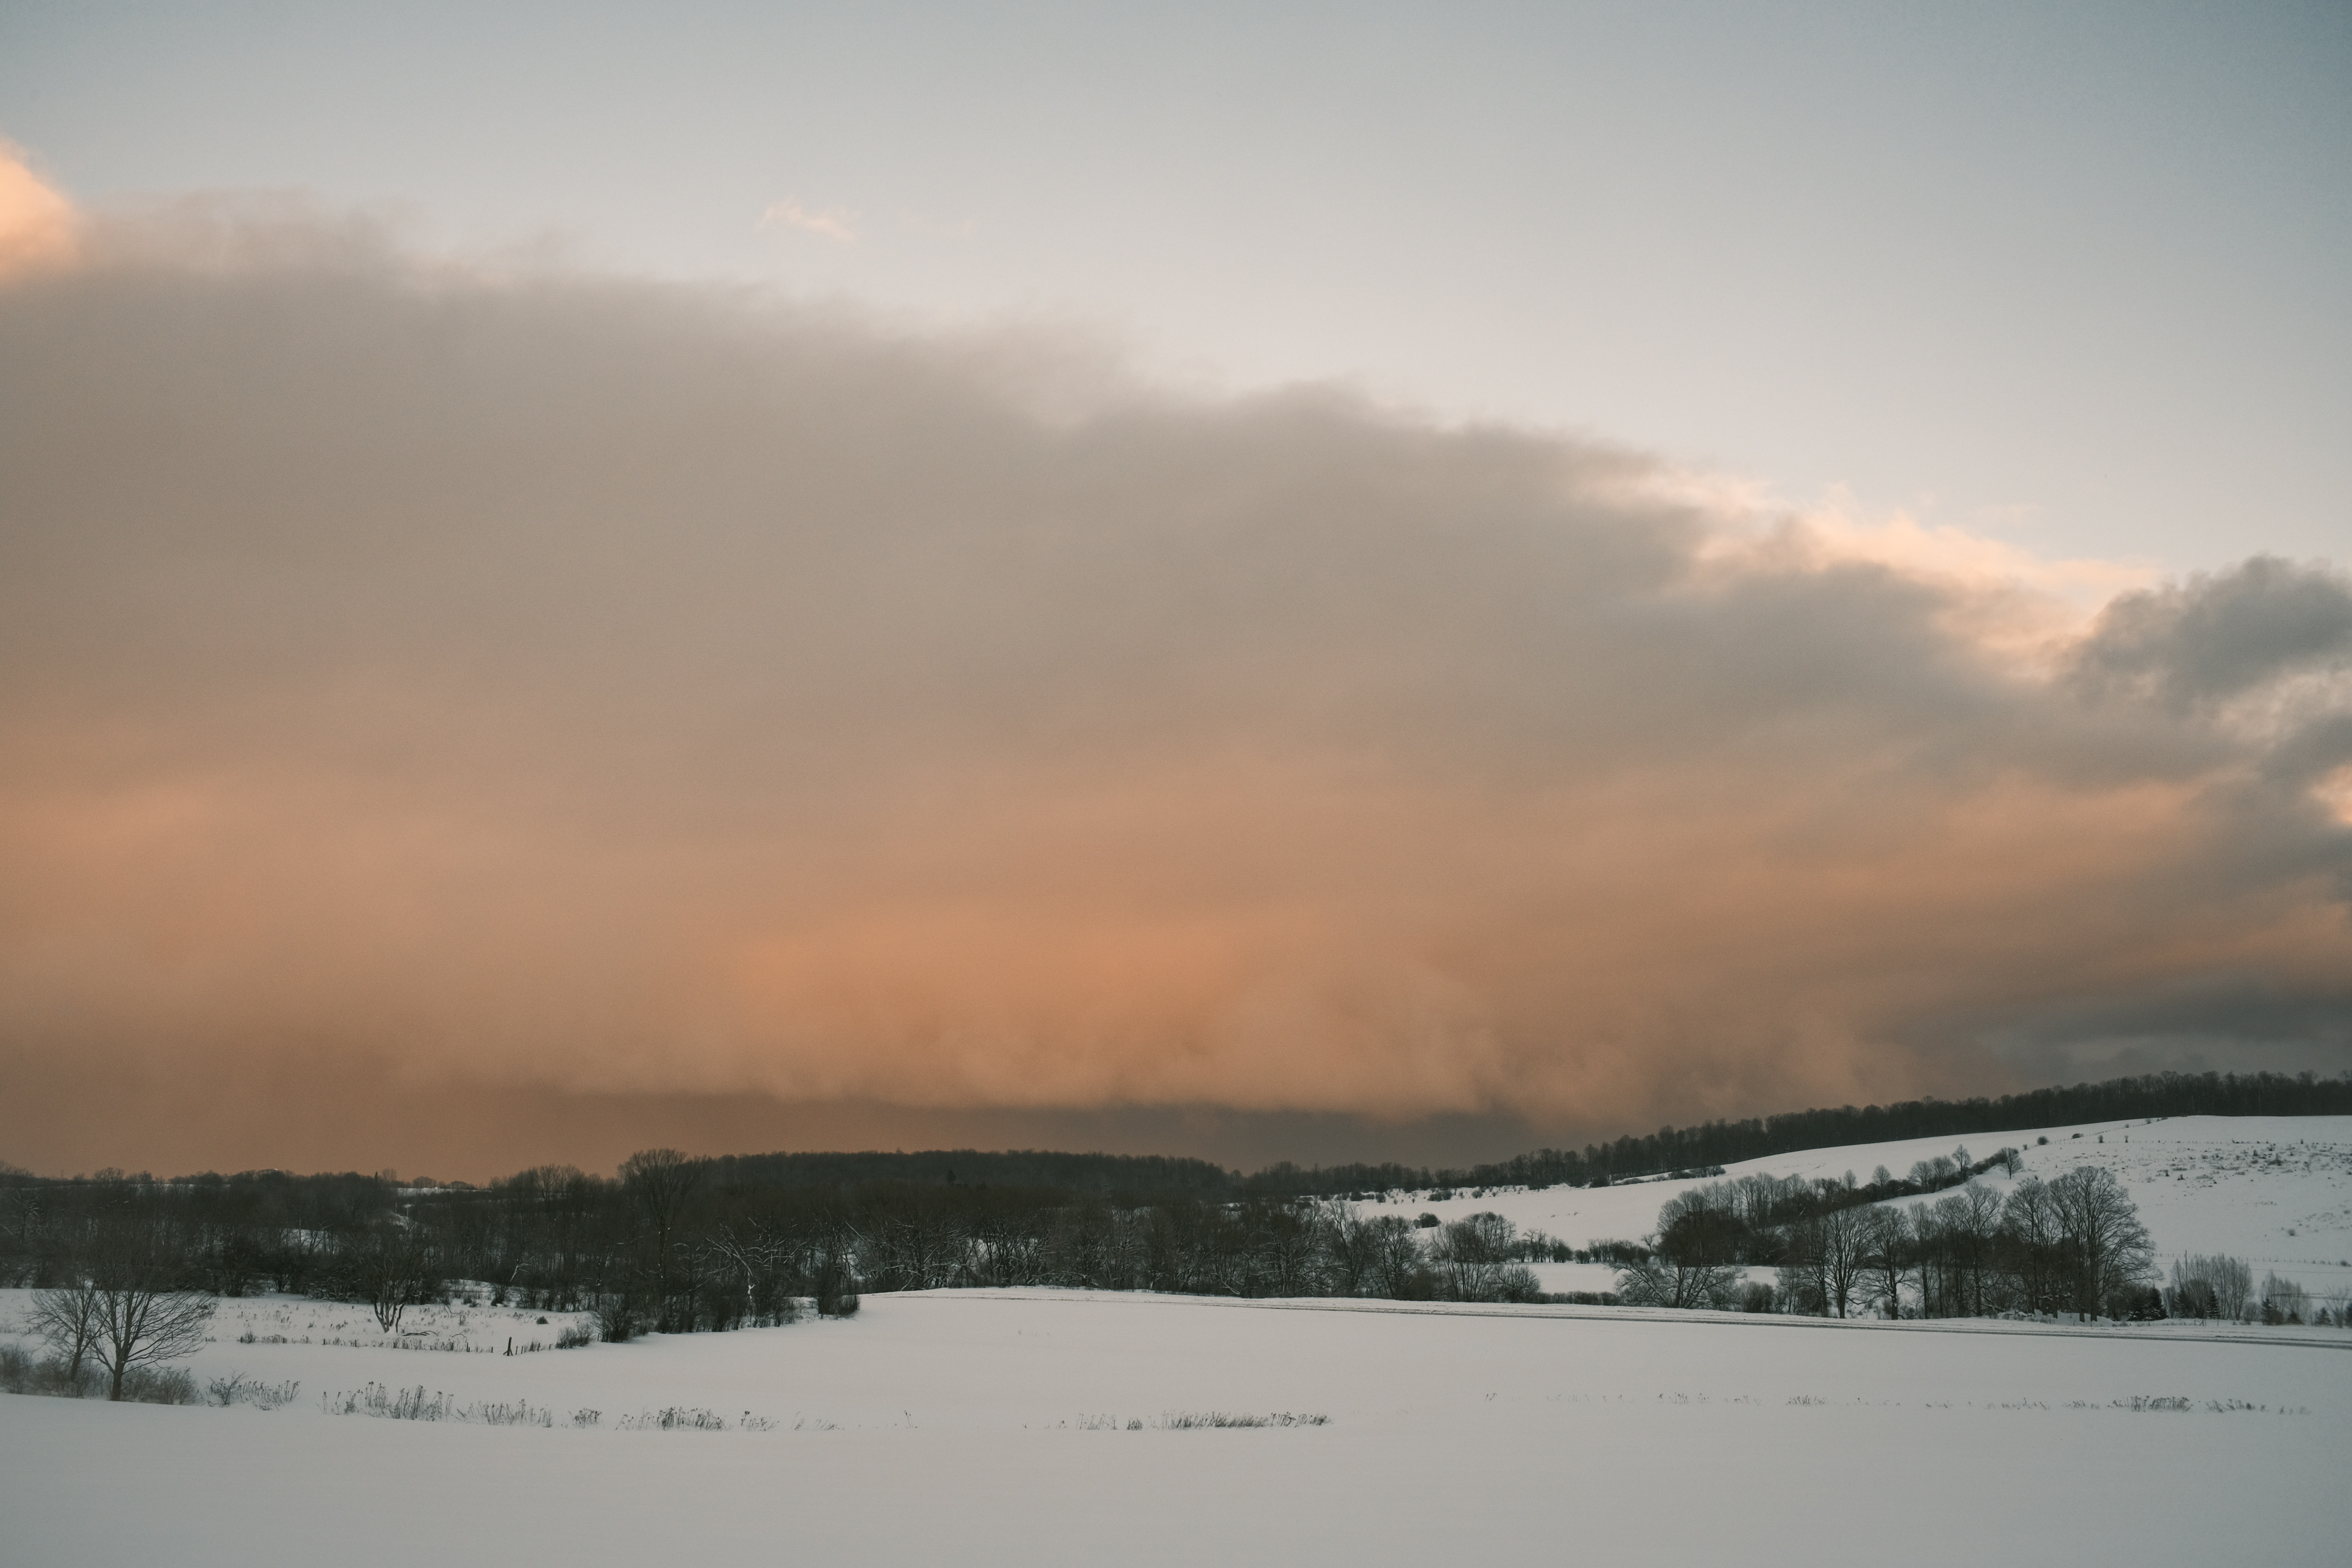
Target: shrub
(1517,1283)
(159,1385)
(22,1373)
(239,1389)
(619,1314)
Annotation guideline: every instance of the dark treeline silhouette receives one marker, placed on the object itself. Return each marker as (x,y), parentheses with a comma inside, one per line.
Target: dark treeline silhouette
(1695,1150)
(677,1244)
(2071,1245)
(1125,1179)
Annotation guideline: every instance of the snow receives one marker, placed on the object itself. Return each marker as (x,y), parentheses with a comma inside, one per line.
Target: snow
(988,1427)
(952,1426)
(2275,1191)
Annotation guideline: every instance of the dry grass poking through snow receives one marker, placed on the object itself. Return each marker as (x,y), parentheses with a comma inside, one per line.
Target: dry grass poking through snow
(1195,1420)
(235,1388)
(417,1404)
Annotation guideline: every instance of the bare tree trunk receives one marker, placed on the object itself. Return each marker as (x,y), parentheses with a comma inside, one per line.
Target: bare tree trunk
(142,1316)
(66,1318)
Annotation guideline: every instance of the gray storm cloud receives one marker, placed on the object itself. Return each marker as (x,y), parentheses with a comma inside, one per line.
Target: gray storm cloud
(562,681)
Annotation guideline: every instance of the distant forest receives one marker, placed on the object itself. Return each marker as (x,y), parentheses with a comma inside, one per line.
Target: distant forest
(1694,1150)
(1133,1180)
(679,1244)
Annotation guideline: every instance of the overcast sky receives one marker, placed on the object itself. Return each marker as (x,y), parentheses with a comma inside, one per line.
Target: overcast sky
(1275,582)
(2069,274)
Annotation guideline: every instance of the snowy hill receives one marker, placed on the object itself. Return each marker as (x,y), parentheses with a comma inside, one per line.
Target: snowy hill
(1040,1426)
(2275,1191)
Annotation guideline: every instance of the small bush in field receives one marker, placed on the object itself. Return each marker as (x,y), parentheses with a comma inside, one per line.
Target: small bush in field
(160,1385)
(22,1373)
(239,1389)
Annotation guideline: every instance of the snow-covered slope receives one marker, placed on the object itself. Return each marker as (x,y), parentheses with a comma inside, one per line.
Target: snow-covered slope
(2274,1190)
(1044,1427)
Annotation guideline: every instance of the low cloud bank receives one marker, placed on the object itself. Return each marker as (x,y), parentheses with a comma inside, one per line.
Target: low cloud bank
(554,683)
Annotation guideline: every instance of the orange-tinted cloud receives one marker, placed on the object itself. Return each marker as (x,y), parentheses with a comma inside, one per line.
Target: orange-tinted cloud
(37,223)
(555,686)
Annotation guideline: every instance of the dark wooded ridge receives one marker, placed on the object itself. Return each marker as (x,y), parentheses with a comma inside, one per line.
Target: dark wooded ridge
(1130,1179)
(679,1244)
(1693,1149)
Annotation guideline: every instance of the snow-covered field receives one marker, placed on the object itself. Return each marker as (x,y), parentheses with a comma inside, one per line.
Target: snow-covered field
(2275,1191)
(985,1429)
(1049,1427)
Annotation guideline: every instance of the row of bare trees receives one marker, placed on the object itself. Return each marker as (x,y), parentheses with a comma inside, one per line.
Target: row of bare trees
(1258,1247)
(675,1243)
(669,1248)
(671,1245)
(2071,1245)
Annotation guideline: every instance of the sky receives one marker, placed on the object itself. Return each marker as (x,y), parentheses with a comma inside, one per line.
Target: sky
(1276,583)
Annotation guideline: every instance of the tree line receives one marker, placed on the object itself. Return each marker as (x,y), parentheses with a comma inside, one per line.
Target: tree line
(677,1244)
(680,1245)
(1697,1149)
(2071,1245)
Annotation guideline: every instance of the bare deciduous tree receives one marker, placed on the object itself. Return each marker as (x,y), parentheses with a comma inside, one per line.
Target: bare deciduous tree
(1971,1225)
(2210,1287)
(143,1317)
(2034,1235)
(1473,1256)
(66,1318)
(1838,1241)
(2106,1248)
(1347,1247)
(660,1180)
(392,1266)
(1396,1270)
(753,1256)
(1889,1249)
(1685,1282)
